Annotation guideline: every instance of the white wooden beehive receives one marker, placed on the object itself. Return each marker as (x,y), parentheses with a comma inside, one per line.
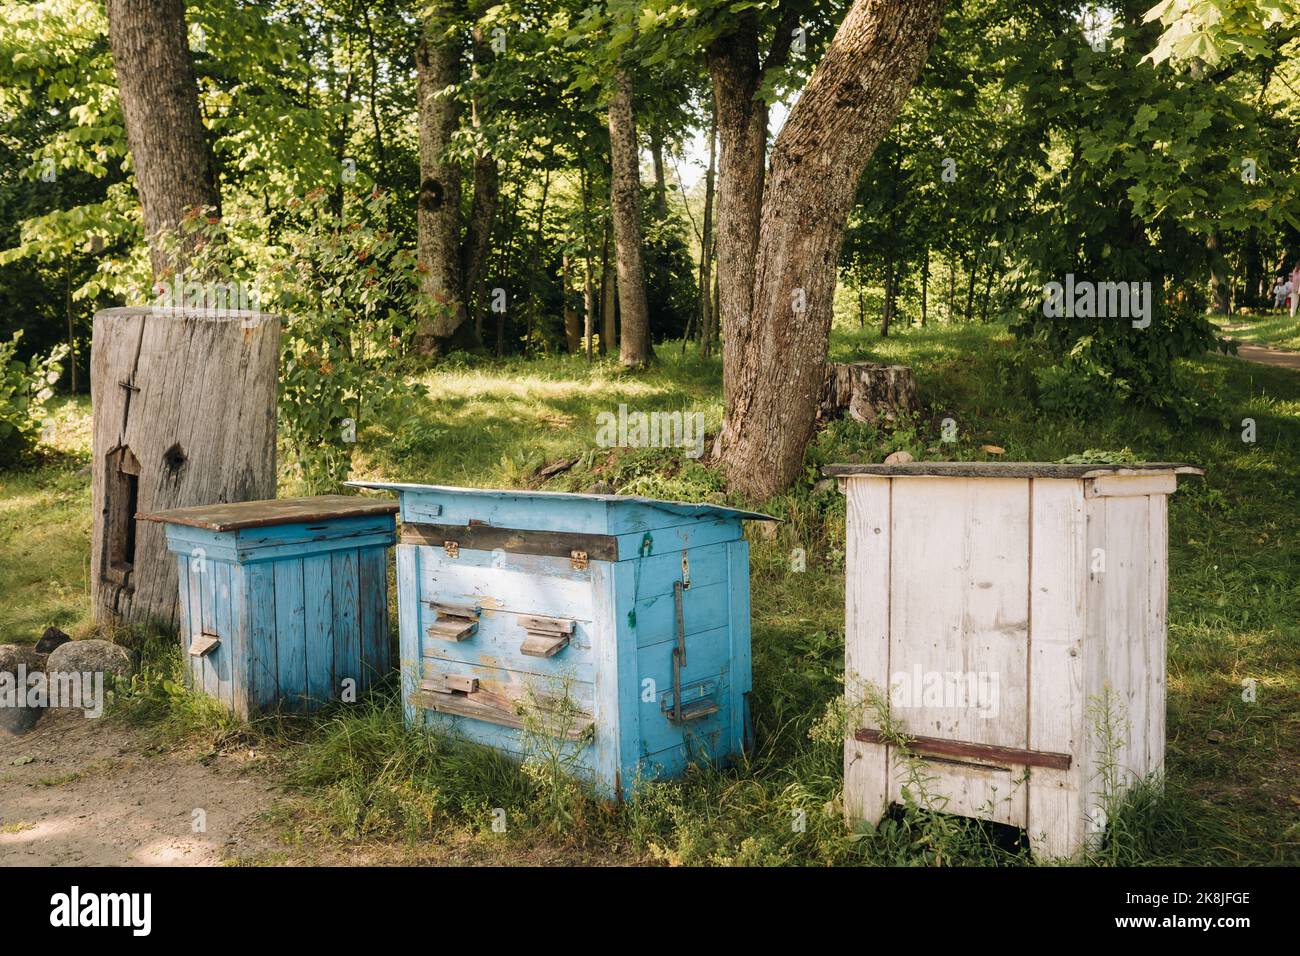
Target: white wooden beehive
(1013,611)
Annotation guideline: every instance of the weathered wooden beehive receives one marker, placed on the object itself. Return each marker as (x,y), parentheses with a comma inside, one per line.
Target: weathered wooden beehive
(283,604)
(1015,613)
(184,414)
(618,626)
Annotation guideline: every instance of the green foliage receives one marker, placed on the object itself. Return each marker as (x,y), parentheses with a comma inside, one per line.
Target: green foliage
(25,387)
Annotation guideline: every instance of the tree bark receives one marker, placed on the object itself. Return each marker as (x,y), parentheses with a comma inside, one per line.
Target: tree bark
(625,200)
(162,441)
(778,355)
(661,181)
(868,392)
(437,67)
(742,138)
(925,285)
(706,244)
(174,167)
(608,297)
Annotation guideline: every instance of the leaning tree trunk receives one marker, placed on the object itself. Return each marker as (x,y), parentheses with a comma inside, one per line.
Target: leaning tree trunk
(184,414)
(437,67)
(625,199)
(742,138)
(174,168)
(868,392)
(775,365)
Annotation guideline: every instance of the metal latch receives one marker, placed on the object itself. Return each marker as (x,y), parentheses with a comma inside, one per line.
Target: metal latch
(578,560)
(452,548)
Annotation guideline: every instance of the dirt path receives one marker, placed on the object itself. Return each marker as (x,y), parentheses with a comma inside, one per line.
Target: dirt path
(1266,355)
(90,793)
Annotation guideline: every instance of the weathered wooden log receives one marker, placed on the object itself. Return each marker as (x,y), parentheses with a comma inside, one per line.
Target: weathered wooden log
(184,414)
(868,392)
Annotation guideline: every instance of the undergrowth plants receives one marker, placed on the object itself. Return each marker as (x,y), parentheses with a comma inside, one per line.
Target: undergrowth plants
(1227,796)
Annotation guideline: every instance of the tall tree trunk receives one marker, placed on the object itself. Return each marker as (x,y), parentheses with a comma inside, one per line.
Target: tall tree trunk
(657,161)
(706,244)
(572,322)
(925,284)
(742,136)
(437,67)
(970,287)
(608,296)
(779,356)
(625,200)
(483,206)
(534,264)
(1219,285)
(174,167)
(887,311)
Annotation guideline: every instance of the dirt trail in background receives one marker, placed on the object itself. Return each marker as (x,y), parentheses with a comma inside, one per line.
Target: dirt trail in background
(1264,355)
(93,794)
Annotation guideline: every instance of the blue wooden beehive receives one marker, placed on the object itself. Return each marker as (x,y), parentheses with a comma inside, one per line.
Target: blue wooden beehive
(618,626)
(283,604)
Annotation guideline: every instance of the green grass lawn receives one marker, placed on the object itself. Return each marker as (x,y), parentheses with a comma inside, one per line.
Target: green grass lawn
(1278,330)
(1231,795)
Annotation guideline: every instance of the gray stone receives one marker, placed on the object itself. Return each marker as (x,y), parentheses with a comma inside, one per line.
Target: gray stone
(91,656)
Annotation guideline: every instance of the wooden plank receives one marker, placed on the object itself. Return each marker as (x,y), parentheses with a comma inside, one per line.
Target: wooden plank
(208,591)
(318,606)
(223,662)
(1128,521)
(194,588)
(943,747)
(560,544)
(530,589)
(409,630)
(235,515)
(1004,469)
(240,660)
(290,633)
(738,643)
(866,644)
(200,420)
(263,659)
(1058,574)
(346,626)
(372,564)
(703,609)
(960,609)
(1156,631)
(470,705)
(1112,486)
(499,640)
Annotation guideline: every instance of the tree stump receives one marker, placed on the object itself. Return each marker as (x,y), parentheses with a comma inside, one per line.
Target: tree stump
(184,414)
(868,392)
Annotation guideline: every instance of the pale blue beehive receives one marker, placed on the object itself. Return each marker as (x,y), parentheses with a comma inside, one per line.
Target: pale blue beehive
(616,625)
(283,603)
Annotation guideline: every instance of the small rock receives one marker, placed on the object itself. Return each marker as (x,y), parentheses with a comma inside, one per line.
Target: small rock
(555,467)
(51,639)
(992,449)
(899,458)
(11,655)
(766,529)
(91,656)
(600,488)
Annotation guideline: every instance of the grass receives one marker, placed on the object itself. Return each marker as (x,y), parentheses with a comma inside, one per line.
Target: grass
(1279,330)
(1230,795)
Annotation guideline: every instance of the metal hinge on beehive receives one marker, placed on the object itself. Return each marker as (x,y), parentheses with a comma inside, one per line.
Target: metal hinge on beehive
(452,548)
(578,560)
